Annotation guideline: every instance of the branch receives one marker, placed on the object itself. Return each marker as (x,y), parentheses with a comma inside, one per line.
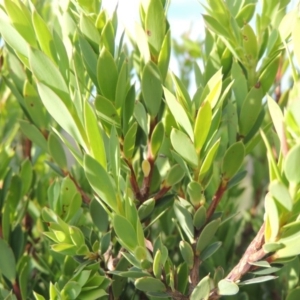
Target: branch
(253,253)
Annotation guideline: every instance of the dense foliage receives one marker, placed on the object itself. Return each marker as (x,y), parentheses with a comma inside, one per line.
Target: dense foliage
(117,181)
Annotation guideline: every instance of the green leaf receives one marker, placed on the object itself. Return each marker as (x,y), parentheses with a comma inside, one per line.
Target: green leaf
(89,31)
(233,159)
(268,75)
(108,37)
(142,42)
(174,175)
(94,135)
(250,44)
(182,95)
(125,232)
(184,219)
(202,290)
(209,250)
(62,113)
(90,59)
(239,86)
(34,135)
(195,192)
(150,284)
(106,111)
(294,294)
(245,14)
(202,125)
(272,219)
(272,247)
(188,152)
(122,85)
(209,159)
(212,90)
(155,26)
(99,215)
(187,253)
(100,181)
(20,18)
(182,276)
(277,118)
(151,88)
(199,217)
(47,73)
(207,235)
(291,165)
(15,40)
(26,175)
(141,116)
(296,39)
(164,56)
(258,279)
(146,208)
(107,74)
(71,290)
(250,110)
(34,105)
(179,113)
(43,36)
(157,138)
(280,192)
(157,265)
(7,261)
(227,287)
(129,141)
(57,151)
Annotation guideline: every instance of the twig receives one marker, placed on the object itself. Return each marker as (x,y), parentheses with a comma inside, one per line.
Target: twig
(216,199)
(86,199)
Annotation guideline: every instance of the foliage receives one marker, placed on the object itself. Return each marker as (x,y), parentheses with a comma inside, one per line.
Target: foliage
(117,182)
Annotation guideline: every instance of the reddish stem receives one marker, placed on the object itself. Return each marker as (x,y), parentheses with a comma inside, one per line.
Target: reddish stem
(216,199)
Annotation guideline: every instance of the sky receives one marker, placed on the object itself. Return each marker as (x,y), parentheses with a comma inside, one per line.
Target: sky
(181,14)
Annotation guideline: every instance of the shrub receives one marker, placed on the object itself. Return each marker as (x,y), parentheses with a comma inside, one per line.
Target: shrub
(117,183)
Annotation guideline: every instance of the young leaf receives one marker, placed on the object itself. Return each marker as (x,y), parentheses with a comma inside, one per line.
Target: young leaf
(202,125)
(179,113)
